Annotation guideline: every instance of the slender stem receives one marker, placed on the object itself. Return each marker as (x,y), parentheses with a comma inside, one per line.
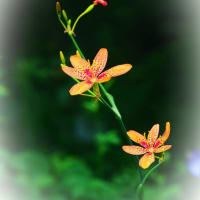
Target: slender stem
(131,143)
(141,185)
(82,14)
(76,45)
(64,26)
(88,95)
(78,18)
(119,118)
(113,106)
(150,171)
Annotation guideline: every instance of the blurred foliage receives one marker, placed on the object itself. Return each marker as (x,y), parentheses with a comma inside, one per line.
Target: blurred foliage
(104,140)
(41,176)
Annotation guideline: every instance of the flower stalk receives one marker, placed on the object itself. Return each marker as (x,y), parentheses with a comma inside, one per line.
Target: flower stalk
(141,185)
(90,8)
(111,105)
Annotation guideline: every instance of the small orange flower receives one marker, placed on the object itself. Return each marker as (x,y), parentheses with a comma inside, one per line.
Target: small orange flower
(151,145)
(90,74)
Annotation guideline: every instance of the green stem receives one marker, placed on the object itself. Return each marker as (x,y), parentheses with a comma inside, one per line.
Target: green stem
(82,14)
(63,24)
(141,185)
(115,110)
(112,105)
(76,45)
(78,18)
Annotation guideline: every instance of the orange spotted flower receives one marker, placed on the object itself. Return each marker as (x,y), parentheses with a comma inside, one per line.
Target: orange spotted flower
(150,145)
(90,74)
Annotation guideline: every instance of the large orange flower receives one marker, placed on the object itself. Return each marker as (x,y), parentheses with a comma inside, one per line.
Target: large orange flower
(90,74)
(150,145)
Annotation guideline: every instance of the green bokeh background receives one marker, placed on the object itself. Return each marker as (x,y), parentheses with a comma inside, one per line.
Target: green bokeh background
(58,147)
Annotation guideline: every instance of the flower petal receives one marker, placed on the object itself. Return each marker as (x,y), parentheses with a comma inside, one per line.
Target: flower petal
(163,148)
(161,140)
(73,72)
(79,63)
(99,61)
(134,150)
(166,133)
(136,137)
(80,87)
(104,77)
(118,70)
(146,160)
(153,134)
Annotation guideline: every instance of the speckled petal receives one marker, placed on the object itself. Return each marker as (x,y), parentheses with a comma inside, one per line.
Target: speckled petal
(80,88)
(136,137)
(146,160)
(102,78)
(79,63)
(100,61)
(166,133)
(118,70)
(163,148)
(153,134)
(73,72)
(134,150)
(161,140)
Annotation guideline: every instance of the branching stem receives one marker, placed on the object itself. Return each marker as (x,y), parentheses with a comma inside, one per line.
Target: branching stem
(112,106)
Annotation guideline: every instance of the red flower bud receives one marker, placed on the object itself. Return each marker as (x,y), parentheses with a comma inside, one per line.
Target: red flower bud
(102,2)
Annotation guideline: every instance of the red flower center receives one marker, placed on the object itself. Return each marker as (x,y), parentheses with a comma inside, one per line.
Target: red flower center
(157,144)
(89,73)
(145,145)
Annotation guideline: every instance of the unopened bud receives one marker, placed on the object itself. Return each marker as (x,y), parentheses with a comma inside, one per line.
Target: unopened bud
(64,15)
(69,22)
(62,57)
(89,8)
(77,53)
(58,9)
(102,2)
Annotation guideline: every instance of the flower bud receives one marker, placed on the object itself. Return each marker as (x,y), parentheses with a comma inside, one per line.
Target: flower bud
(58,9)
(62,57)
(69,22)
(64,15)
(77,53)
(89,8)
